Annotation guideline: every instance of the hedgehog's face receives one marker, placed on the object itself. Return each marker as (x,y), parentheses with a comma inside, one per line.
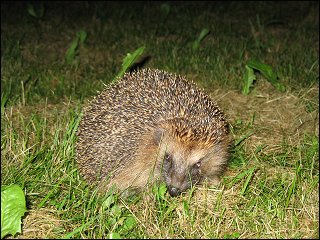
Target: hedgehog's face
(180,170)
(180,164)
(183,163)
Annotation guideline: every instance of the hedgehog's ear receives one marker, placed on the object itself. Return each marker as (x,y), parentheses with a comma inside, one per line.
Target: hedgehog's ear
(158,135)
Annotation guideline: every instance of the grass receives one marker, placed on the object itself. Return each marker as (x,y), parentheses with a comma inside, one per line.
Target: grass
(271,187)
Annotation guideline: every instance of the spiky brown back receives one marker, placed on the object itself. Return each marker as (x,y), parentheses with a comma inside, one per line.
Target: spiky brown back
(115,120)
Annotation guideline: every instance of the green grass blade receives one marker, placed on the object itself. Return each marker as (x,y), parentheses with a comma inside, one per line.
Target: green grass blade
(249,177)
(242,138)
(77,230)
(50,193)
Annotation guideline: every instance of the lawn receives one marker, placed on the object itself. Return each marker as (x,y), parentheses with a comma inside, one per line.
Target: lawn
(55,56)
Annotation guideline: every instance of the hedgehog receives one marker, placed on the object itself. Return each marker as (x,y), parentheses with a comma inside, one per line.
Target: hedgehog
(152,126)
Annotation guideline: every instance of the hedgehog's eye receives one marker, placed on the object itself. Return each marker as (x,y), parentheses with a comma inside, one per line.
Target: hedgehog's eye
(167,157)
(197,164)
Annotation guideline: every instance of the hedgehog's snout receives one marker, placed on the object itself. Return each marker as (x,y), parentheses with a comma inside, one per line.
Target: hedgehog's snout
(174,175)
(173,191)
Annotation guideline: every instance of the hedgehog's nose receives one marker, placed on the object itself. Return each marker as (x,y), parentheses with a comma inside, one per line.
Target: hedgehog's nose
(173,191)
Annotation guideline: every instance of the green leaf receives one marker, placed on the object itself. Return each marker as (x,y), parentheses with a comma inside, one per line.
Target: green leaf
(82,36)
(114,236)
(71,52)
(129,60)
(162,190)
(13,207)
(235,235)
(115,211)
(31,10)
(203,34)
(120,221)
(249,78)
(130,222)
(268,73)
(265,69)
(108,202)
(196,43)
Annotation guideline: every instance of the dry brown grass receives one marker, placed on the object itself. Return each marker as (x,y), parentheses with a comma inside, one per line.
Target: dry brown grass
(278,116)
(41,223)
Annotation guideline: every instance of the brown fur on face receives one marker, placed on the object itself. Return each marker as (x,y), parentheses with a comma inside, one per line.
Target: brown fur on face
(188,158)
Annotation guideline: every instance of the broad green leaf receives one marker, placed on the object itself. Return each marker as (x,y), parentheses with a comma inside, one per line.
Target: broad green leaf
(268,73)
(249,77)
(71,52)
(130,222)
(82,36)
(13,207)
(265,70)
(108,202)
(114,236)
(234,235)
(162,190)
(31,10)
(203,34)
(115,211)
(196,43)
(129,60)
